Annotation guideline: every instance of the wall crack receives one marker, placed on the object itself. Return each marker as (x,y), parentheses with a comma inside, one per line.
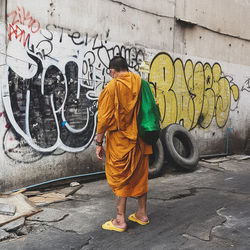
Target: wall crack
(144,11)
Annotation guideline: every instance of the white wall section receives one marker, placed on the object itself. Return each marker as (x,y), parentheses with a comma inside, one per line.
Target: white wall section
(54,58)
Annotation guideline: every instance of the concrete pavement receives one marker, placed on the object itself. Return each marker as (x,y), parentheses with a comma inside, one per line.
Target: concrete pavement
(206,209)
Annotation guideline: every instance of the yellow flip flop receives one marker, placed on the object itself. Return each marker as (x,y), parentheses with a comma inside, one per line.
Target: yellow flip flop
(133,218)
(110,226)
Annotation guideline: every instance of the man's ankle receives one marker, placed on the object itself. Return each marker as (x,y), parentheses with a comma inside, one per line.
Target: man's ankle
(141,216)
(120,223)
(120,219)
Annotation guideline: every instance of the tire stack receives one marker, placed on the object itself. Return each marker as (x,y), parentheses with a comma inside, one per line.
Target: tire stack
(176,146)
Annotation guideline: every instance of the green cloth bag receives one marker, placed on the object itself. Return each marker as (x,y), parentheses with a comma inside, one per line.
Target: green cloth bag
(149,116)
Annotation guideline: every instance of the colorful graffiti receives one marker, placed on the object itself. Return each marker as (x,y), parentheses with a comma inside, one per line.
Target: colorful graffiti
(56,75)
(191,94)
(54,81)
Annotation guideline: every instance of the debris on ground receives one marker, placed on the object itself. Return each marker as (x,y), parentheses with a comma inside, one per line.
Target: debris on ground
(44,199)
(4,235)
(74,190)
(226,158)
(7,209)
(239,157)
(23,207)
(13,225)
(20,208)
(32,193)
(48,198)
(216,160)
(74,184)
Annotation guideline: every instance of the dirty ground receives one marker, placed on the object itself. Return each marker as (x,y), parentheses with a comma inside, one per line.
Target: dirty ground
(205,209)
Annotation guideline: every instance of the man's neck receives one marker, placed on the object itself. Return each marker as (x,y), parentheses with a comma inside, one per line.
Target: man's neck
(120,72)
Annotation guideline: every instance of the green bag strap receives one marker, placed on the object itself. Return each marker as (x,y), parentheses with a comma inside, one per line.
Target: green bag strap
(149,114)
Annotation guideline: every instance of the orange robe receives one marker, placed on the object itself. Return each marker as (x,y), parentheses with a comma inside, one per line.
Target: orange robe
(126,163)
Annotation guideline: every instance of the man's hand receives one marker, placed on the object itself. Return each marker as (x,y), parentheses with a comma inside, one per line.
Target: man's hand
(99,152)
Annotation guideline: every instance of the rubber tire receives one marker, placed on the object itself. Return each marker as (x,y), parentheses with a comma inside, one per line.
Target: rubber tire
(156,160)
(187,162)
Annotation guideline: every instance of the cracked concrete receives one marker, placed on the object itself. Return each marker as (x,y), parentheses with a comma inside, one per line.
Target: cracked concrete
(202,230)
(142,10)
(48,215)
(14,225)
(54,238)
(4,235)
(206,209)
(179,194)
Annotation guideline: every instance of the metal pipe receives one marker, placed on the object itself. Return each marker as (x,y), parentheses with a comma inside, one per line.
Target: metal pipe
(227,144)
(58,179)
(212,156)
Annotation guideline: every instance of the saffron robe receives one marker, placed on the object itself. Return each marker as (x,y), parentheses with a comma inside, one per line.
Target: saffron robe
(126,164)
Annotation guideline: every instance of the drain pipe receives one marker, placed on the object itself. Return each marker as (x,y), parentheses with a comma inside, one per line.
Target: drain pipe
(222,154)
(59,179)
(227,145)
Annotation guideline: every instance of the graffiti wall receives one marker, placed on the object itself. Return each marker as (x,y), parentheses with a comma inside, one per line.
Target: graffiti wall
(54,75)
(192,93)
(54,80)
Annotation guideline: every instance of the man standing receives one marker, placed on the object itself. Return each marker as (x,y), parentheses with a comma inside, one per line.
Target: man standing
(126,164)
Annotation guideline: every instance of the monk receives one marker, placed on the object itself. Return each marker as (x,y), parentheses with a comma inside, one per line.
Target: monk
(126,164)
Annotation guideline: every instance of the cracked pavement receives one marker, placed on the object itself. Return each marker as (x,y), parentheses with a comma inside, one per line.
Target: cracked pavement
(205,209)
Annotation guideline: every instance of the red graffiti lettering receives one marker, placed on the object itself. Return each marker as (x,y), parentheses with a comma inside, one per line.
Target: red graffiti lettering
(19,33)
(23,17)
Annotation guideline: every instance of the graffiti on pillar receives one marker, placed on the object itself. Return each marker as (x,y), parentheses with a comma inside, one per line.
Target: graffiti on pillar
(191,94)
(54,81)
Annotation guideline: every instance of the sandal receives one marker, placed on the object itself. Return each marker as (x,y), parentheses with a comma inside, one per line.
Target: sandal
(133,218)
(110,226)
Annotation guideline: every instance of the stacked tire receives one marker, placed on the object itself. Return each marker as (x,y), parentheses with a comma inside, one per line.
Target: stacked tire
(180,147)
(177,147)
(156,160)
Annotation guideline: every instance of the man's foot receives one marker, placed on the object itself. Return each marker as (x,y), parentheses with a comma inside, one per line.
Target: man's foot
(114,226)
(142,220)
(119,224)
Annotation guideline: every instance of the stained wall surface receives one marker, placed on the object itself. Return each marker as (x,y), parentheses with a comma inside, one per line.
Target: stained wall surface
(54,58)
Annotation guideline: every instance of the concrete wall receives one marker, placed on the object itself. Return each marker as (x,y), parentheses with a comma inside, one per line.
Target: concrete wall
(218,30)
(54,64)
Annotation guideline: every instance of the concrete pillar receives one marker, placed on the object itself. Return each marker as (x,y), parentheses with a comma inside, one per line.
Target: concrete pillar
(4,77)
